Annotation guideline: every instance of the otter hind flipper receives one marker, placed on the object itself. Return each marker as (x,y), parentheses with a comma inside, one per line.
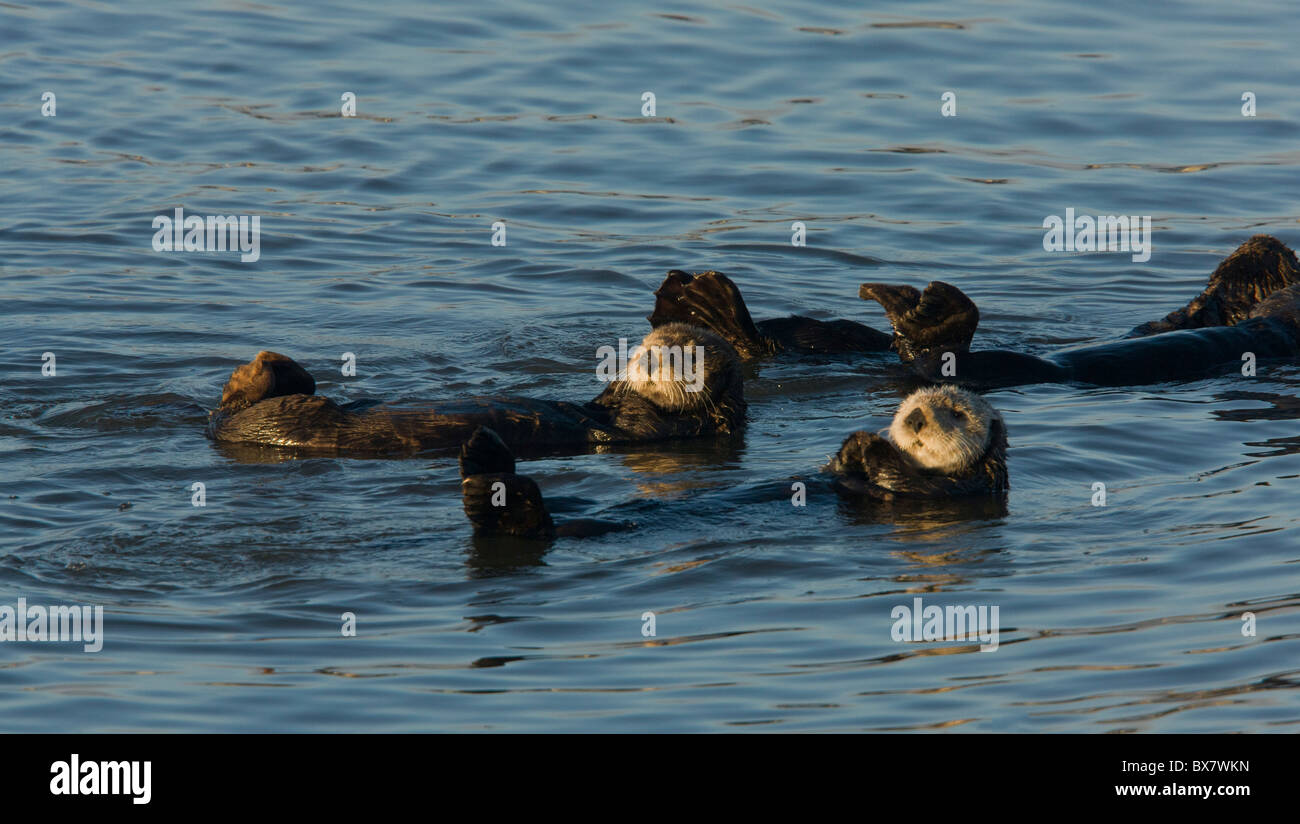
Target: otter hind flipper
(711,300)
(499,502)
(940,319)
(506,504)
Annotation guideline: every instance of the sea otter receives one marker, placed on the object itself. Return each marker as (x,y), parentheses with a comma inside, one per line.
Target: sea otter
(272,401)
(710,299)
(1251,304)
(943,443)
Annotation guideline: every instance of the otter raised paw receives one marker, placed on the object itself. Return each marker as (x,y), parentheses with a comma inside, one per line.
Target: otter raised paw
(499,502)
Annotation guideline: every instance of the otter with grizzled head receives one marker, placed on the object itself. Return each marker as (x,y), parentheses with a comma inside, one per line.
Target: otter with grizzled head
(271,401)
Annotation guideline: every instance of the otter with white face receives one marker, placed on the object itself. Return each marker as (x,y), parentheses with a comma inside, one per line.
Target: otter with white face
(943,442)
(943,429)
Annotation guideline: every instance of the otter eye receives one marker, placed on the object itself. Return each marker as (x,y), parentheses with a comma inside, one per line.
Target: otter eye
(958,414)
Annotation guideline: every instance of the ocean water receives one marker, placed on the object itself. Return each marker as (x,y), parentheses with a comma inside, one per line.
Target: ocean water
(376,240)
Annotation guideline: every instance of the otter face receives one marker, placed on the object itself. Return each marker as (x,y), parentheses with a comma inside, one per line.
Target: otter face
(683,368)
(945,429)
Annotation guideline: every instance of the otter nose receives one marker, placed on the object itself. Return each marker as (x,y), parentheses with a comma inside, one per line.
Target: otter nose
(916,420)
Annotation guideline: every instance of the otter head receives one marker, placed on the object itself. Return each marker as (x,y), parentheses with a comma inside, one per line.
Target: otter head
(1257,269)
(269,375)
(686,370)
(926,324)
(946,430)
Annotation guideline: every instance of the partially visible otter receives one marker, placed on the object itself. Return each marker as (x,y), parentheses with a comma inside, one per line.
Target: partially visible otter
(1252,304)
(271,401)
(499,502)
(710,299)
(944,442)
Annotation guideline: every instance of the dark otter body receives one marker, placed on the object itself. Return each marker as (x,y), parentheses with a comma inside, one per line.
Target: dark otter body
(712,300)
(271,401)
(312,422)
(1252,304)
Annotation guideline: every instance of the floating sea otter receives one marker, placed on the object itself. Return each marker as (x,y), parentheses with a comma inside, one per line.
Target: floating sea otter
(1252,304)
(272,401)
(943,443)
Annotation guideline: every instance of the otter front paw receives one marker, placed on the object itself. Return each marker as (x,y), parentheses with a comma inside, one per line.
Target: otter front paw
(869,465)
(861,453)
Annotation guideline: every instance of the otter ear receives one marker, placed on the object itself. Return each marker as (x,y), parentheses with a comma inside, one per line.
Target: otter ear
(942,318)
(269,375)
(711,300)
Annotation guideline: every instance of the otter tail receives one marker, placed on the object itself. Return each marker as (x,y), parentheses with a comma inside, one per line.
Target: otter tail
(1258,268)
(497,501)
(711,300)
(926,324)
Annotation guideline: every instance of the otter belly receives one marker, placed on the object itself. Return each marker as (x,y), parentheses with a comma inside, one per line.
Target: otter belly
(304,421)
(316,423)
(520,422)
